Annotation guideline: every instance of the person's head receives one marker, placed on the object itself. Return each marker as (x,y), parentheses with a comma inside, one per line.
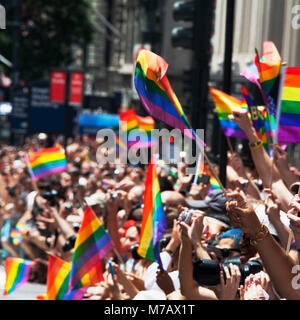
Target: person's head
(136,194)
(171,200)
(165,184)
(136,175)
(65,179)
(131,237)
(228,244)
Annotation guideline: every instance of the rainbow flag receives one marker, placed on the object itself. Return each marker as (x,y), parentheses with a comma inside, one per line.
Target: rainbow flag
(268,65)
(260,121)
(214,184)
(224,104)
(92,244)
(157,95)
(128,120)
(19,231)
(146,125)
(154,222)
(17,273)
(47,161)
(120,143)
(289,123)
(264,73)
(58,276)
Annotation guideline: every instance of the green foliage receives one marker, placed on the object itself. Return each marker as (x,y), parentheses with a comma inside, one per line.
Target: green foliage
(47,32)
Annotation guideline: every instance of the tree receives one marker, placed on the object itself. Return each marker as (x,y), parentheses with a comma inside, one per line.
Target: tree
(48,29)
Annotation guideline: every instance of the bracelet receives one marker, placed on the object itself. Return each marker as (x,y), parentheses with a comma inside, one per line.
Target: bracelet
(255,145)
(260,235)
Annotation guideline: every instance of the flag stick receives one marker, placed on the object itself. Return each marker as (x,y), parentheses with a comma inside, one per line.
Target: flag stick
(118,256)
(267,104)
(197,169)
(31,174)
(214,173)
(278,108)
(278,113)
(229,145)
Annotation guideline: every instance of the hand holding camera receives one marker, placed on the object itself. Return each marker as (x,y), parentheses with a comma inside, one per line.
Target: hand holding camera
(191,225)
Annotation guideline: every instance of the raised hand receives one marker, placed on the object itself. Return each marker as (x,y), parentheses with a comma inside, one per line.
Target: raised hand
(228,288)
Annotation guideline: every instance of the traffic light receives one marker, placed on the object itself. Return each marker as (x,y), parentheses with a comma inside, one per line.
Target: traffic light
(196,35)
(183,36)
(200,15)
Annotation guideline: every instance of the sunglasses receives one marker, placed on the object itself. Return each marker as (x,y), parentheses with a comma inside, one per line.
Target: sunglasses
(221,253)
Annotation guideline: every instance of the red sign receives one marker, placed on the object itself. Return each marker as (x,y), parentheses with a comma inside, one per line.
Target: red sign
(58,86)
(76,88)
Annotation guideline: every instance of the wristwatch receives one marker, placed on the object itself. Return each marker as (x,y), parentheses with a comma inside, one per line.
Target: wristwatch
(259,236)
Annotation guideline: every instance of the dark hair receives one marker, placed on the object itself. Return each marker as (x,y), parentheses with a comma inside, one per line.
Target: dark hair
(165,184)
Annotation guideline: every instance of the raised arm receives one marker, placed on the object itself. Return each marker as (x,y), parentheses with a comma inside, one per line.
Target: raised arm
(277,264)
(282,163)
(188,285)
(266,169)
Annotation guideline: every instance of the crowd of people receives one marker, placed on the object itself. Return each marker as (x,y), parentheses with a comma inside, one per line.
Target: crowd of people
(239,245)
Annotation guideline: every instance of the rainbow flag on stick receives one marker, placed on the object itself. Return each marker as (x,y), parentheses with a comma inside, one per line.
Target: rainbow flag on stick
(260,121)
(268,65)
(58,276)
(93,243)
(157,95)
(154,222)
(17,273)
(224,104)
(128,120)
(289,123)
(47,161)
(214,184)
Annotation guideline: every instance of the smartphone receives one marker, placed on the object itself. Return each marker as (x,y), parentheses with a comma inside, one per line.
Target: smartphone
(111,269)
(205,178)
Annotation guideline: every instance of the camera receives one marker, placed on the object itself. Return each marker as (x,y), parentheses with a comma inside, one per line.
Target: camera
(134,252)
(186,216)
(68,207)
(205,178)
(207,272)
(69,244)
(51,197)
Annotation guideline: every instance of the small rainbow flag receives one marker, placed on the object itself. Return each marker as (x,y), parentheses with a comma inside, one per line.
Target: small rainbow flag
(264,72)
(260,120)
(154,222)
(214,184)
(120,143)
(92,244)
(17,273)
(157,95)
(58,276)
(268,65)
(289,123)
(131,121)
(47,161)
(224,104)
(19,231)
(128,120)
(146,125)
